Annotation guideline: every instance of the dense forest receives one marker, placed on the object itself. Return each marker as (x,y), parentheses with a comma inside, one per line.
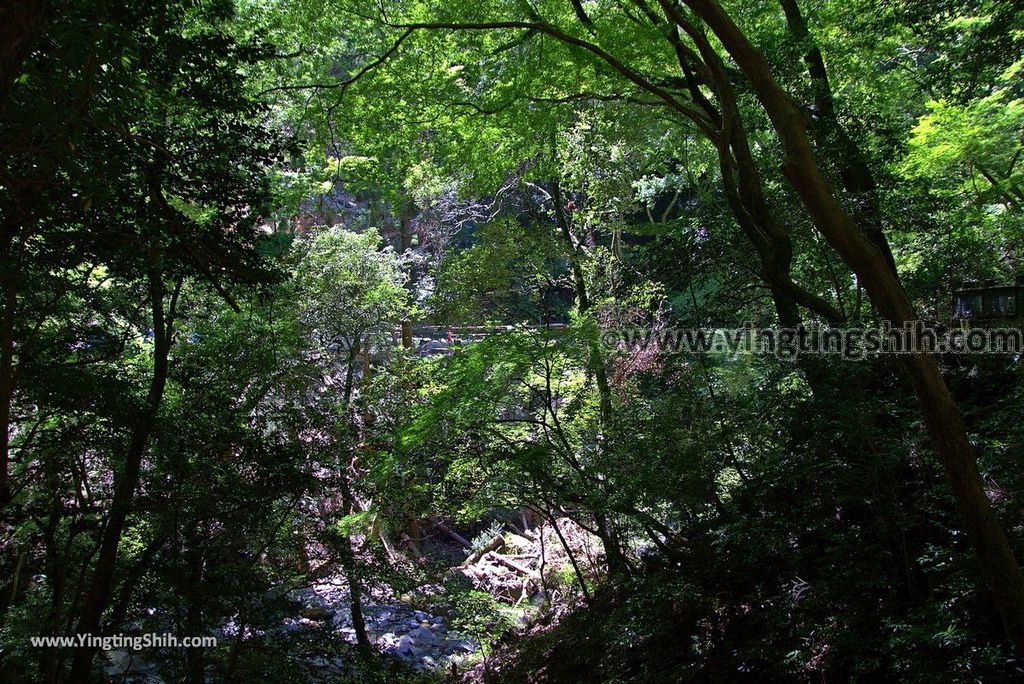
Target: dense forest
(511,341)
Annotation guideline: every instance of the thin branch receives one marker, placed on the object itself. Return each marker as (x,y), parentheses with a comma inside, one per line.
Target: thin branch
(582,15)
(344,85)
(694,115)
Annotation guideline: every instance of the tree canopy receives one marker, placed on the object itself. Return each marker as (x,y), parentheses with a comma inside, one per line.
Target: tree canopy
(490,342)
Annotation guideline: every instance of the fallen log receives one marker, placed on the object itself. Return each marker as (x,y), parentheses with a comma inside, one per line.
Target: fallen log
(510,564)
(496,543)
(449,531)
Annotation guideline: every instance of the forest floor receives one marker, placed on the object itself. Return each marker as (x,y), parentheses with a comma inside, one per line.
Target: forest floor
(419,638)
(527,574)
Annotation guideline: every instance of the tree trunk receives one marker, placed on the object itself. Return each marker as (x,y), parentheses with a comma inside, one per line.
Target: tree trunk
(56,569)
(125,484)
(854,172)
(195,661)
(6,382)
(872,268)
(618,566)
(572,558)
(617,563)
(348,566)
(348,556)
(405,235)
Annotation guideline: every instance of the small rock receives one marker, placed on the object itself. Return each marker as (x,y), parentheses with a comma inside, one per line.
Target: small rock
(316,613)
(517,543)
(463,646)
(119,661)
(301,594)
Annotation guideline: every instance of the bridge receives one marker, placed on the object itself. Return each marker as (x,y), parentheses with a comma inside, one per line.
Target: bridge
(434,340)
